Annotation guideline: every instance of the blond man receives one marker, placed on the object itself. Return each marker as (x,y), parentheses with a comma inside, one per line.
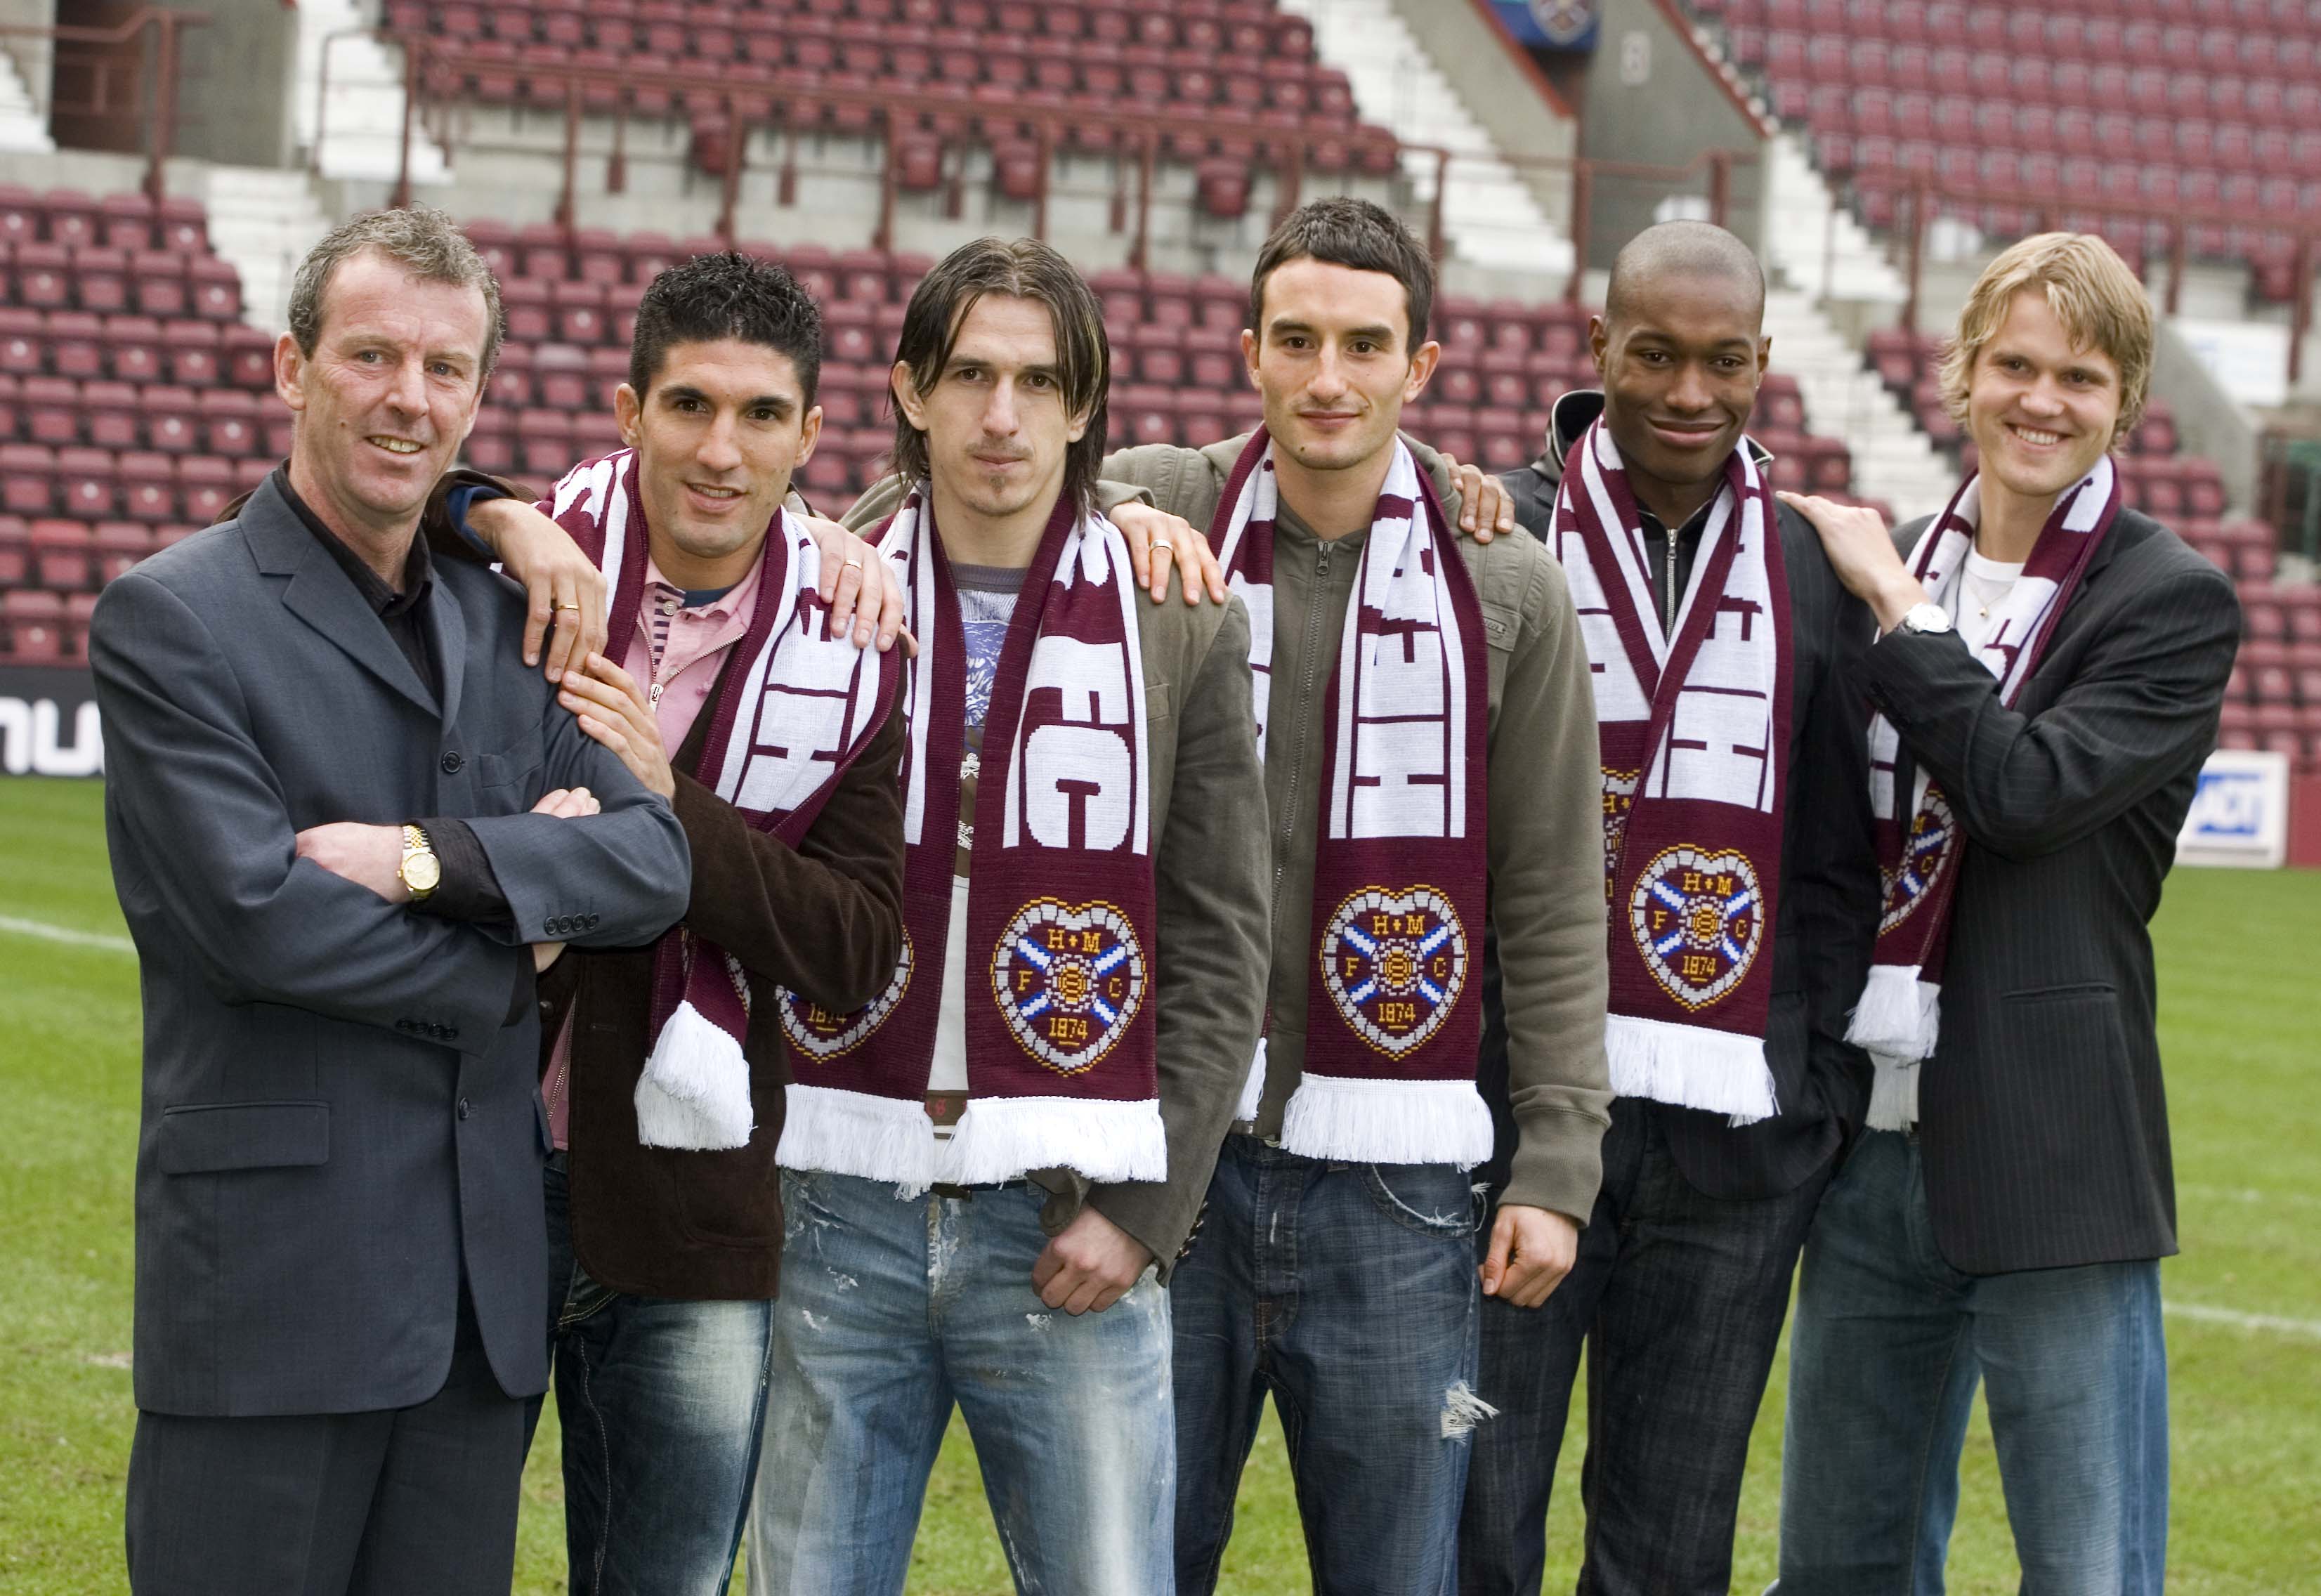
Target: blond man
(2045,685)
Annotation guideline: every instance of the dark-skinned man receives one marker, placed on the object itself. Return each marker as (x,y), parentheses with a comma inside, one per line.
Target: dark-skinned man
(1734,818)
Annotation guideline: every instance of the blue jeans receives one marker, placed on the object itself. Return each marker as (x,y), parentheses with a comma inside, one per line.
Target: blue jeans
(1889,1344)
(660,1401)
(1348,1291)
(891,1310)
(1679,1298)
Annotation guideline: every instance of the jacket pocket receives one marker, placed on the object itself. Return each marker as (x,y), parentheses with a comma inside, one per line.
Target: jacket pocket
(1501,622)
(204,1138)
(516,764)
(2077,990)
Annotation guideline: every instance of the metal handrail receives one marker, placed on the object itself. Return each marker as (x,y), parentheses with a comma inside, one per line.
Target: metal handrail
(161,120)
(1141,132)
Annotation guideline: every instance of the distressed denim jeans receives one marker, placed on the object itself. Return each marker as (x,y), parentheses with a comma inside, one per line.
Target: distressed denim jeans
(1888,1344)
(659,1400)
(1348,1291)
(892,1308)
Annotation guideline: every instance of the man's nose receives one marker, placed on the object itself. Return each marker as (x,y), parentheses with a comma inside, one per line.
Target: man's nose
(1690,390)
(407,394)
(1329,376)
(720,450)
(1000,419)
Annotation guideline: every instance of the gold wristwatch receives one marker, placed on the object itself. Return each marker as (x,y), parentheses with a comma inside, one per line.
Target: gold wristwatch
(421,870)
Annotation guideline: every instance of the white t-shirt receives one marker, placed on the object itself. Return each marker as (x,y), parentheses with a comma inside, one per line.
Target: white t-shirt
(1982,588)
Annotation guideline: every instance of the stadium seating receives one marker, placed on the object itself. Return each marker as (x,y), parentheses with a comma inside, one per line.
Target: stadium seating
(2052,110)
(1198,60)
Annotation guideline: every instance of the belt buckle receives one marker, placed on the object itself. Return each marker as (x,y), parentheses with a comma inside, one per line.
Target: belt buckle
(956,1193)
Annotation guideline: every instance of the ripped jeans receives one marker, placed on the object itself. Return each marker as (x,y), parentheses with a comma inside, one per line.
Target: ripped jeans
(1347,1290)
(893,1308)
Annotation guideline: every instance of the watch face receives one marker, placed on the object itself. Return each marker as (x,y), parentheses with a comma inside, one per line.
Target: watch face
(421,871)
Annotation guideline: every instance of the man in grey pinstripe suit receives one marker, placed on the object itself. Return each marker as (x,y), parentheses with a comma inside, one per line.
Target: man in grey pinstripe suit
(2047,681)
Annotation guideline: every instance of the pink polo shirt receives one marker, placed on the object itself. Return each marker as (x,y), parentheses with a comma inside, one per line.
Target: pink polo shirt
(692,645)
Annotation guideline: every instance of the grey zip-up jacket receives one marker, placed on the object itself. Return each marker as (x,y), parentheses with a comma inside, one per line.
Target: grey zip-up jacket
(1545,796)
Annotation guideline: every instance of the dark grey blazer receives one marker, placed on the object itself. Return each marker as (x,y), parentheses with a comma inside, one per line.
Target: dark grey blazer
(2041,1115)
(338,1113)
(1826,907)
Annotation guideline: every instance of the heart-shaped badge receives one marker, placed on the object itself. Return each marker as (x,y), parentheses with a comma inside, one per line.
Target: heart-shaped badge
(820,1034)
(1698,919)
(1068,979)
(1934,838)
(1394,963)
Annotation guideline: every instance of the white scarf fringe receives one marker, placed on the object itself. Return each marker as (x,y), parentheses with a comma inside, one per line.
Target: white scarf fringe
(860,1134)
(1691,1066)
(1253,1089)
(1372,1121)
(695,1091)
(1001,1138)
(1893,1092)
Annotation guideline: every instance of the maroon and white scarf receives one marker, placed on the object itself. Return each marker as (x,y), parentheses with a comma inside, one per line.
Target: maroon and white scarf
(1695,734)
(797,708)
(1400,872)
(1060,902)
(1899,1017)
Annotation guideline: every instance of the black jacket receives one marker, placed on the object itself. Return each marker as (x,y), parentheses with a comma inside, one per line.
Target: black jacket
(1828,895)
(2041,1115)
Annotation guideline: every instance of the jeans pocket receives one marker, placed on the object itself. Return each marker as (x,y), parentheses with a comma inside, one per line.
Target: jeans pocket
(584,1299)
(1430,1199)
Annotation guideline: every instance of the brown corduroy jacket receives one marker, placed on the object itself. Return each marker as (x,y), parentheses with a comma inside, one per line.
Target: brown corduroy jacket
(824,919)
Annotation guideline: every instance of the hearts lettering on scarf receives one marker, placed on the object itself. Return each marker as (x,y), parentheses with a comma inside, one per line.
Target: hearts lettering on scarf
(1698,919)
(1619,798)
(1068,978)
(821,1035)
(1394,963)
(1924,856)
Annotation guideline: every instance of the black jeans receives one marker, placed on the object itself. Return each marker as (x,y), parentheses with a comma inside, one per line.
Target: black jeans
(1680,1299)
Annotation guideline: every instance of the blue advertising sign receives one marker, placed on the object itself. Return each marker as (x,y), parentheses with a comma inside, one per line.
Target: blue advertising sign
(1551,24)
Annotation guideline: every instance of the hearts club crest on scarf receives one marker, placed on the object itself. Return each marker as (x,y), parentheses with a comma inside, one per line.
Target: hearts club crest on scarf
(1394,963)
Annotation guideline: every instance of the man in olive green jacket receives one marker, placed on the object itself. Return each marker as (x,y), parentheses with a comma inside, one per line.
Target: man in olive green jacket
(1349,1288)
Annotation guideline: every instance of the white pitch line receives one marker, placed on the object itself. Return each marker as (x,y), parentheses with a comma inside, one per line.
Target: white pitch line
(2308,1328)
(65,934)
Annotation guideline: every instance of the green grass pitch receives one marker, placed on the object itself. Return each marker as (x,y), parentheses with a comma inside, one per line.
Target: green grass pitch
(2238,1018)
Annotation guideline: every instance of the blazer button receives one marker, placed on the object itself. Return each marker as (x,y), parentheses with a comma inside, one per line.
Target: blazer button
(451,762)
(463,1108)
(588,924)
(548,926)
(545,1006)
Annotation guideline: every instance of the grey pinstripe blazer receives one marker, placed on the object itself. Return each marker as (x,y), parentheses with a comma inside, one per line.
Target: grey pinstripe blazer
(2042,1118)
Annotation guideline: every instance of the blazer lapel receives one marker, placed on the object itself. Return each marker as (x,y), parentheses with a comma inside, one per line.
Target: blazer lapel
(446,632)
(319,594)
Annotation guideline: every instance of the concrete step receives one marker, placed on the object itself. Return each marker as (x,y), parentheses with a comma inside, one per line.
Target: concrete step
(1490,215)
(24,130)
(263,221)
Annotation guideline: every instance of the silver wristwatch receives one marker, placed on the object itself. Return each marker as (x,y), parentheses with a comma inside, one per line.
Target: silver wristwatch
(1923,618)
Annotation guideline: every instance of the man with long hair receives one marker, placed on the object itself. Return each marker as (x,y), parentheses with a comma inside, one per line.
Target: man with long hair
(990,1170)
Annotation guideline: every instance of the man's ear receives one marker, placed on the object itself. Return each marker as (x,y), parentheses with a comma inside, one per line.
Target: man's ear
(906,390)
(1599,339)
(290,372)
(1422,367)
(629,410)
(809,433)
(1764,356)
(1248,347)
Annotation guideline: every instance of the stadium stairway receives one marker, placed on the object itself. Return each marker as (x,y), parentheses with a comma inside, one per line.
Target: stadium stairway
(262,223)
(1893,460)
(361,131)
(24,130)
(1489,214)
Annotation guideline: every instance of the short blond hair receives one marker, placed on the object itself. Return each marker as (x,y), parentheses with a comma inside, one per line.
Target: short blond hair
(2092,292)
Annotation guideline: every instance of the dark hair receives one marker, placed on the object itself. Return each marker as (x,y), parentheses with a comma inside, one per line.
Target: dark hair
(1019,269)
(727,296)
(1345,231)
(422,241)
